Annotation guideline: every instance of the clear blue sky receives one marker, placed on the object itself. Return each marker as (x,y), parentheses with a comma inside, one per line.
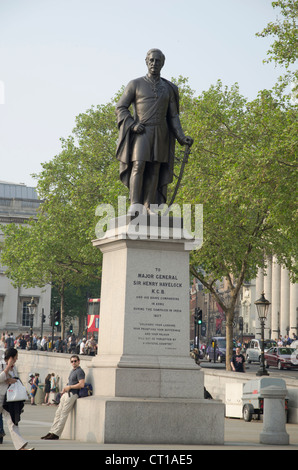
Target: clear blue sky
(60,57)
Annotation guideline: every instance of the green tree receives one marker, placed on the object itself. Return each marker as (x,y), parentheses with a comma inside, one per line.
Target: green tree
(75,301)
(242,169)
(49,251)
(284,49)
(56,248)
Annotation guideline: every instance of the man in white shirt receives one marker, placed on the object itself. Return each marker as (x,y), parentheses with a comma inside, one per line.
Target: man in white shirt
(82,346)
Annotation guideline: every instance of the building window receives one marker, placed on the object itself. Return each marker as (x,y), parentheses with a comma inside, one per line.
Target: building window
(25,313)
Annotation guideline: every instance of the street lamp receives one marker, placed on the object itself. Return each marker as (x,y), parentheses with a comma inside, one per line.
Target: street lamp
(262,306)
(32,307)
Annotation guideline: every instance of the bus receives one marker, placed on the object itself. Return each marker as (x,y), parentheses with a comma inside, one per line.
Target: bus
(93,315)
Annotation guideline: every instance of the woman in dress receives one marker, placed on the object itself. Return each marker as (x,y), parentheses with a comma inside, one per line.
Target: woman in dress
(47,388)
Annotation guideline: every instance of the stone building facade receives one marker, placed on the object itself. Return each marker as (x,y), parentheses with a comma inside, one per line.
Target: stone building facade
(18,203)
(283,295)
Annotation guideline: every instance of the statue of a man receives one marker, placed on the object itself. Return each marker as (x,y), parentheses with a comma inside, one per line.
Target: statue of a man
(146,143)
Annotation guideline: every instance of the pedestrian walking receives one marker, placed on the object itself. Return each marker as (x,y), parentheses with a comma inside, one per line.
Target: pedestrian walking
(238,361)
(69,396)
(8,376)
(53,389)
(34,387)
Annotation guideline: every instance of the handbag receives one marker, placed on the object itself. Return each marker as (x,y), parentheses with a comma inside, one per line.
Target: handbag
(16,392)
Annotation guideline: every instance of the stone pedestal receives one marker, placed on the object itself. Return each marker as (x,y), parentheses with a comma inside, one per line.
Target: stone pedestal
(274,430)
(147,389)
(146,421)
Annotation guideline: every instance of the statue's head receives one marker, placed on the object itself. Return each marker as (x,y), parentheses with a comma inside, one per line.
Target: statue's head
(155,60)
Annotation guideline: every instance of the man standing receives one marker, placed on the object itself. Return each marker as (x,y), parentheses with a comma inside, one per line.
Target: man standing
(238,361)
(70,393)
(146,144)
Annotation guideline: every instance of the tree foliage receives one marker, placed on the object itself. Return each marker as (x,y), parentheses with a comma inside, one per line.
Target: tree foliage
(243,169)
(284,50)
(56,247)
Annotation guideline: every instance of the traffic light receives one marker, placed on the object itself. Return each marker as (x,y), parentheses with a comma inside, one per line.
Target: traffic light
(198,316)
(57,318)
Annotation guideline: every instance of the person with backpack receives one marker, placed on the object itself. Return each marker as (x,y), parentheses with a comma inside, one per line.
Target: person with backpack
(69,396)
(10,341)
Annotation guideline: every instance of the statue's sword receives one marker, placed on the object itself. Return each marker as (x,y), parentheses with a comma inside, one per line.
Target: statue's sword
(184,162)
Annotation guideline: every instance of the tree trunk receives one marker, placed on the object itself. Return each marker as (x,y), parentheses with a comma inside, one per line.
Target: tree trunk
(229,338)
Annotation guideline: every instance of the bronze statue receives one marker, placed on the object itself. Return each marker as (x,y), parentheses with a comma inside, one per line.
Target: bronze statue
(146,143)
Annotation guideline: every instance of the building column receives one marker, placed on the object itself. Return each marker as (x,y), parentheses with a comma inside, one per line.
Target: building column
(284,302)
(293,310)
(275,299)
(268,295)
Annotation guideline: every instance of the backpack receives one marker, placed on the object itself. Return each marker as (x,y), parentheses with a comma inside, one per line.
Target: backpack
(10,342)
(86,391)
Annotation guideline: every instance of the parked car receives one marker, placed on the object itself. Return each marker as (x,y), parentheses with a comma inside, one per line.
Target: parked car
(217,348)
(282,358)
(254,350)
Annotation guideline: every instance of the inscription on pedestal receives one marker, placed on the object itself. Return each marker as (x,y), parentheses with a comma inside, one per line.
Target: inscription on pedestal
(156,307)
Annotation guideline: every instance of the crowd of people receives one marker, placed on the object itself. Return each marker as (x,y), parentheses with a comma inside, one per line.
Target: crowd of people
(50,387)
(285,340)
(72,345)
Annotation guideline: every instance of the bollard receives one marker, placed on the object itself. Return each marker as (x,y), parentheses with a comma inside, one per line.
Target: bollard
(274,419)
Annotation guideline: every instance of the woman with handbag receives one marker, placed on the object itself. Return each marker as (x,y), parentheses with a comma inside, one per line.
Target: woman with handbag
(7,377)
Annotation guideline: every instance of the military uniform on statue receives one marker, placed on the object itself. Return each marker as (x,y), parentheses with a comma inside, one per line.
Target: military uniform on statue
(146,145)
